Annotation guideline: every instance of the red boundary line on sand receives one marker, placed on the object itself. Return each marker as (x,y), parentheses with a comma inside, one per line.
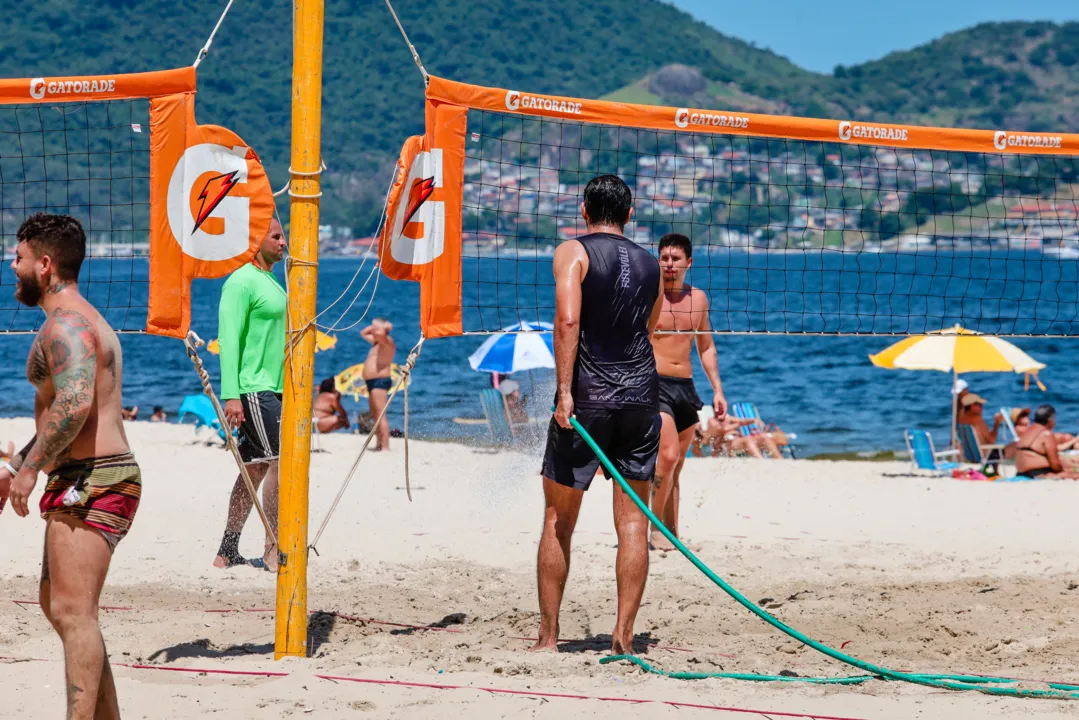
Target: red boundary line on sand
(566,696)
(436,686)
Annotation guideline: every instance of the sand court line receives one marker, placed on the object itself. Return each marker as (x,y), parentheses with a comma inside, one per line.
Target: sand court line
(441,686)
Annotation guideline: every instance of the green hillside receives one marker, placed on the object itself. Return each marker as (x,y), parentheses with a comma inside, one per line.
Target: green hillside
(1025,74)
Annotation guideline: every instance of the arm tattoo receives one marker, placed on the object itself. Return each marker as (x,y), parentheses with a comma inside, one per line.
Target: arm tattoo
(71,352)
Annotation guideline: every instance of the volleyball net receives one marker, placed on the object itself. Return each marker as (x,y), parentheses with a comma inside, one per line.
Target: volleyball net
(798,225)
(162,200)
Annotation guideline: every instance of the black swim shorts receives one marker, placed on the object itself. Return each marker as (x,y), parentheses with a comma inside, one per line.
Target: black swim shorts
(260,433)
(630,438)
(678,398)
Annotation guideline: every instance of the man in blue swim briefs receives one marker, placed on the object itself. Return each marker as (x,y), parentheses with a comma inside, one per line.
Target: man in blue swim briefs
(376,373)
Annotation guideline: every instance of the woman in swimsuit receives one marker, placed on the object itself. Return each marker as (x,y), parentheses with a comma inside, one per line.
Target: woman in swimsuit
(1036,453)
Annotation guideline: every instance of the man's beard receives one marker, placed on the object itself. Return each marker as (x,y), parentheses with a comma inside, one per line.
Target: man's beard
(28,291)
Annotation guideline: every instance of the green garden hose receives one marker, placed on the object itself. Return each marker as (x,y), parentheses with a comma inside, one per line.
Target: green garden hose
(987,685)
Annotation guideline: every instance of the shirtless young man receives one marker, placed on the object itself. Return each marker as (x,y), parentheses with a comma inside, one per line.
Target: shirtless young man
(685,309)
(376,372)
(94,484)
(327,411)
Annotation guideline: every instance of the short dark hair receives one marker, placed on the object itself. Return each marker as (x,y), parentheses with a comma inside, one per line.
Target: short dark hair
(607,200)
(1044,414)
(328,385)
(677,240)
(157,409)
(61,237)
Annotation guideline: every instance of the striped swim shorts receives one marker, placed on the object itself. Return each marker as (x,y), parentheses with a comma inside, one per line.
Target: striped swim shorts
(103,492)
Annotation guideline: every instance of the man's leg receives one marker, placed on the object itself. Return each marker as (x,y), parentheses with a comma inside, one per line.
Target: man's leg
(240,504)
(669,514)
(631,564)
(378,401)
(74,567)
(771,446)
(669,446)
(561,506)
(269,504)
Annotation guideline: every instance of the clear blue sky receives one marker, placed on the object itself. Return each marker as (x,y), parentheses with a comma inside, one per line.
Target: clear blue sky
(820,34)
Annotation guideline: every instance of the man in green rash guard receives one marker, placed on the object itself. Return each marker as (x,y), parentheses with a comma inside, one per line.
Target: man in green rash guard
(251,334)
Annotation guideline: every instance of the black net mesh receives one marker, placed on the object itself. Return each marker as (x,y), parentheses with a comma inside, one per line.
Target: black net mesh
(788,236)
(90,160)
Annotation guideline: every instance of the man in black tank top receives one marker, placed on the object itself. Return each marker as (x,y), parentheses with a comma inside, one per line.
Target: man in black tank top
(607,305)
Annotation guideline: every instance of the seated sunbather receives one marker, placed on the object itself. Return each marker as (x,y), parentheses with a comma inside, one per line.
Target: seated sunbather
(1036,452)
(327,411)
(724,438)
(1022,422)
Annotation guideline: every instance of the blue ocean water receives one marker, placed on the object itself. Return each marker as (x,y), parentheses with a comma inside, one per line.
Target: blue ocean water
(822,388)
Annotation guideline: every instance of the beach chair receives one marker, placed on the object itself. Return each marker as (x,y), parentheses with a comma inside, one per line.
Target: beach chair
(923,456)
(498,423)
(1012,434)
(748,411)
(200,408)
(973,451)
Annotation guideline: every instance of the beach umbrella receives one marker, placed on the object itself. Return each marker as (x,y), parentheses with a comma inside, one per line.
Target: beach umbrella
(350,380)
(524,346)
(322,342)
(956,350)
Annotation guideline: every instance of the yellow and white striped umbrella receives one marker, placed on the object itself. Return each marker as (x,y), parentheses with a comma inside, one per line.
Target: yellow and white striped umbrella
(956,350)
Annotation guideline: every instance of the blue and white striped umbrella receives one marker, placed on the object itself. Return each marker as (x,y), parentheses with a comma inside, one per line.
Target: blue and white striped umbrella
(524,346)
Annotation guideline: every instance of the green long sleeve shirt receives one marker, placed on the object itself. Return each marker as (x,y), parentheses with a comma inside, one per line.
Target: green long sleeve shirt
(251,333)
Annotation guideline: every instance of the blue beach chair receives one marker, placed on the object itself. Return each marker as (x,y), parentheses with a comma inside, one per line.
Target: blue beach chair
(498,424)
(924,457)
(973,451)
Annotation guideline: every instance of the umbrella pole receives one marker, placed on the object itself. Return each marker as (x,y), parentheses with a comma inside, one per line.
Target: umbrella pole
(955,405)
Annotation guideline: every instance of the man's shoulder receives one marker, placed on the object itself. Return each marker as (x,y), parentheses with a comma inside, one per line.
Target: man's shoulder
(697,295)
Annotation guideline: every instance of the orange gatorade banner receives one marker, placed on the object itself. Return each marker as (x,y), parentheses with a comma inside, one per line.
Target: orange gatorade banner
(722,122)
(421,240)
(97,87)
(210,207)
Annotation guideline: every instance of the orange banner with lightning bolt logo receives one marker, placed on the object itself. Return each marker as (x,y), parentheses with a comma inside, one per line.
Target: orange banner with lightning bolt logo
(421,240)
(211,206)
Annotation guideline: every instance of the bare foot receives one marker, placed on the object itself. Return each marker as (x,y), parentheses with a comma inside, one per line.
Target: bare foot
(270,559)
(622,647)
(220,562)
(659,541)
(545,645)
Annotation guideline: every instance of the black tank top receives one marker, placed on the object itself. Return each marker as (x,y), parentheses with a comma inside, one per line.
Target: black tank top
(615,365)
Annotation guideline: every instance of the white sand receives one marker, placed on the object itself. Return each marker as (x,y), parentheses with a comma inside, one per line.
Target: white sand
(914,573)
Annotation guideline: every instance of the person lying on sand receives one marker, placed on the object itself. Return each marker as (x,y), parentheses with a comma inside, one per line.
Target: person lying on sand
(327,411)
(1036,453)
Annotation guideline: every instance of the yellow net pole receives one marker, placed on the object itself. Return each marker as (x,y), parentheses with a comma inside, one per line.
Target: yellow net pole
(291,616)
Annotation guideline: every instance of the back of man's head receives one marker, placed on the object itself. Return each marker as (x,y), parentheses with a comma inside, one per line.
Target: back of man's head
(607,201)
(61,237)
(328,385)
(1044,414)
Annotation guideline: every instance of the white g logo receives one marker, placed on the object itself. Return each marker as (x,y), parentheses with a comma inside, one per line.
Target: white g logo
(844,130)
(1000,140)
(235,210)
(681,117)
(431,214)
(37,88)
(513,99)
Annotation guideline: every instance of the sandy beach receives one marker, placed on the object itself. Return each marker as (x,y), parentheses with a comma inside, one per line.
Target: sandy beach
(423,609)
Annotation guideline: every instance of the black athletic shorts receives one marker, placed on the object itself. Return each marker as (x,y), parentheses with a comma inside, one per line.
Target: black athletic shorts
(260,433)
(629,438)
(678,398)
